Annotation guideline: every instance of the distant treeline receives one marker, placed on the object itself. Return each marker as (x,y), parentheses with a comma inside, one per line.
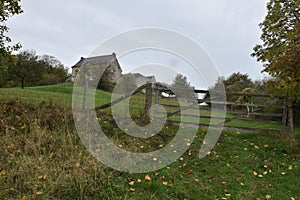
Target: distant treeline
(29,69)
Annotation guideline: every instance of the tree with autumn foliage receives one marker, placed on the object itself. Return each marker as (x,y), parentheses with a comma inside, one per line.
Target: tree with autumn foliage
(8,8)
(280,48)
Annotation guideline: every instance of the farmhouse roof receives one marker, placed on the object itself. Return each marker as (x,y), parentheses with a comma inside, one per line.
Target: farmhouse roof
(111,58)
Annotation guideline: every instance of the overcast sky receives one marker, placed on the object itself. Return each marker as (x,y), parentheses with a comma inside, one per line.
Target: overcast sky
(69,29)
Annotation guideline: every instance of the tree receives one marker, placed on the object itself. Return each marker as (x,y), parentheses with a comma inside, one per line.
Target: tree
(180,81)
(8,8)
(280,50)
(28,69)
(182,87)
(236,82)
(54,70)
(6,60)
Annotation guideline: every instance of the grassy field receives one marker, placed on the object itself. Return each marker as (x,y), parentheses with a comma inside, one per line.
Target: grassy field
(42,157)
(57,94)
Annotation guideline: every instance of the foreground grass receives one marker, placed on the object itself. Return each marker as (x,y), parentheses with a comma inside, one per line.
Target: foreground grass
(42,157)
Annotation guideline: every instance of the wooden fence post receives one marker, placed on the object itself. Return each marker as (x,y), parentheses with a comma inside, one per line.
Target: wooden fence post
(86,82)
(291,116)
(148,100)
(285,111)
(156,100)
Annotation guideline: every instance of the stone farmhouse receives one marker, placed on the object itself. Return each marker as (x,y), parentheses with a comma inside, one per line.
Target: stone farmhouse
(112,63)
(109,61)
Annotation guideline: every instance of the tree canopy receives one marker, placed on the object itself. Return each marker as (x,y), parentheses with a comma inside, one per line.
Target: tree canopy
(8,8)
(280,48)
(30,69)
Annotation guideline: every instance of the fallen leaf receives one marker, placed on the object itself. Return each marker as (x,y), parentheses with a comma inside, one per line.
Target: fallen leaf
(77,164)
(131,183)
(24,126)
(148,178)
(268,196)
(3,172)
(51,155)
(165,183)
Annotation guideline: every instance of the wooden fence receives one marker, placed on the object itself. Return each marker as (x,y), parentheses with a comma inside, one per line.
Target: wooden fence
(259,111)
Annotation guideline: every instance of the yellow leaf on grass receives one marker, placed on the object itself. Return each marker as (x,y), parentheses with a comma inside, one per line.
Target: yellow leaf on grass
(23,197)
(147,177)
(24,126)
(39,193)
(268,196)
(51,155)
(165,183)
(131,183)
(3,172)
(139,180)
(77,164)
(255,173)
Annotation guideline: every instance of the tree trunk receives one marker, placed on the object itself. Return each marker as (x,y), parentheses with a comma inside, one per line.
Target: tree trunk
(22,83)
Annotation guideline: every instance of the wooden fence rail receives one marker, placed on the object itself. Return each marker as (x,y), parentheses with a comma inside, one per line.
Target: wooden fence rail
(282,105)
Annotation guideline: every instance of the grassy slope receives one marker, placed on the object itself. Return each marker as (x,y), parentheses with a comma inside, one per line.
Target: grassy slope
(58,94)
(43,158)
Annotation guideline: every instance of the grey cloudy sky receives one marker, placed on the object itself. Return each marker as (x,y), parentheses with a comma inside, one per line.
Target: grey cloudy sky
(69,29)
